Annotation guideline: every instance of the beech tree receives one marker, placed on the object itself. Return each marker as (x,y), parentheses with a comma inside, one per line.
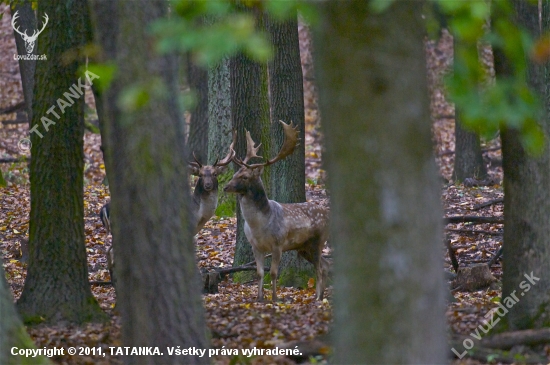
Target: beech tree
(385,204)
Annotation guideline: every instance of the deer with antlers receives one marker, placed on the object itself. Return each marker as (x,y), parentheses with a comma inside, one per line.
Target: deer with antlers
(205,196)
(273,228)
(29,40)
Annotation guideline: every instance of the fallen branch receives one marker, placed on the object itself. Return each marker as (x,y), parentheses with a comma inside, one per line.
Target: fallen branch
(507,340)
(486,204)
(474,231)
(102,283)
(16,121)
(13,108)
(483,354)
(449,152)
(473,219)
(495,258)
(14,159)
(452,255)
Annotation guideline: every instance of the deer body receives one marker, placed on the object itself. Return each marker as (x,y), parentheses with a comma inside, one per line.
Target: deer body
(205,196)
(271,227)
(205,201)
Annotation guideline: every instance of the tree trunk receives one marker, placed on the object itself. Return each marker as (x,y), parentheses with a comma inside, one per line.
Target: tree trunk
(311,104)
(198,127)
(527,199)
(249,111)
(386,210)
(57,286)
(220,132)
(468,157)
(12,331)
(104,26)
(286,94)
(26,20)
(158,285)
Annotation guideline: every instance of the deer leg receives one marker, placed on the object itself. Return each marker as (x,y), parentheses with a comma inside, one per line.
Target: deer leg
(275,260)
(312,252)
(260,258)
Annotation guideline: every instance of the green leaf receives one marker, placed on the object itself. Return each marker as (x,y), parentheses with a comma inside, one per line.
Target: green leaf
(133,98)
(105,71)
(380,5)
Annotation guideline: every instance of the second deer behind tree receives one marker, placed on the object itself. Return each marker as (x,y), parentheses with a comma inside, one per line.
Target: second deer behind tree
(271,227)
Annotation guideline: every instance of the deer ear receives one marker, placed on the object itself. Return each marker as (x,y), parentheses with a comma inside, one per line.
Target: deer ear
(258,170)
(220,169)
(194,170)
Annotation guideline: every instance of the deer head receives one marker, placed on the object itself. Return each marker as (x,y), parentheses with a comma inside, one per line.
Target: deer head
(250,173)
(208,173)
(29,40)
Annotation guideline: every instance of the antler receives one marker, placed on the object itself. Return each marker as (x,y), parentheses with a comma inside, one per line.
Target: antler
(230,155)
(250,151)
(195,163)
(291,141)
(15,16)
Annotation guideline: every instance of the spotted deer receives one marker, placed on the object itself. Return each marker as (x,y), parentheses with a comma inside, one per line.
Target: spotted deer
(271,227)
(205,196)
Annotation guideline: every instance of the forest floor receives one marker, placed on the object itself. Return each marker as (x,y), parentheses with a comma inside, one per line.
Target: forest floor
(233,317)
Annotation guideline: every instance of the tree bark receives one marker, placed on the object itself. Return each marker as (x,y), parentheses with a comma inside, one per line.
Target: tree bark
(220,131)
(527,198)
(286,94)
(468,157)
(249,111)
(12,331)
(57,286)
(103,27)
(158,283)
(385,211)
(198,127)
(26,20)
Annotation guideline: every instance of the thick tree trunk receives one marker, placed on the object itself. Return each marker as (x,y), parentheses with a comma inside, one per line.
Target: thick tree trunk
(57,286)
(385,212)
(286,96)
(26,20)
(158,285)
(12,331)
(198,127)
(220,130)
(527,200)
(468,157)
(249,111)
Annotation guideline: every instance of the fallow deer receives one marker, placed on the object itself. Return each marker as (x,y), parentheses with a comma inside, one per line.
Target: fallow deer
(273,228)
(205,196)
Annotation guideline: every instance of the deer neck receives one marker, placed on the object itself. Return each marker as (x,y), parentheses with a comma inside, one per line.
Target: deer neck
(205,201)
(254,202)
